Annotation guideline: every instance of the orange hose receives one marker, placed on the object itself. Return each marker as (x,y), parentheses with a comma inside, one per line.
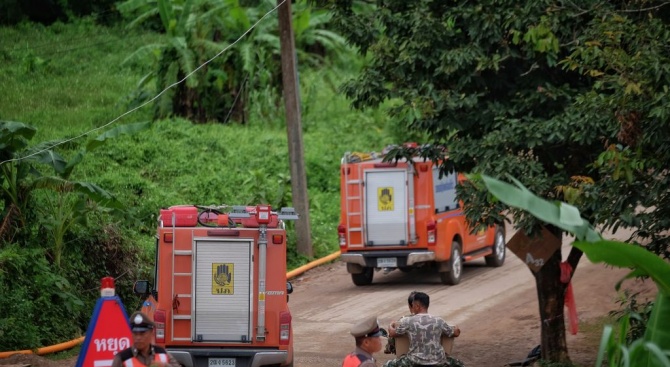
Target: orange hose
(312,265)
(67,345)
(46,350)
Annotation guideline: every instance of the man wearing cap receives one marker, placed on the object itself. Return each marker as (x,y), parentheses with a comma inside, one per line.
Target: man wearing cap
(425,333)
(368,341)
(143,353)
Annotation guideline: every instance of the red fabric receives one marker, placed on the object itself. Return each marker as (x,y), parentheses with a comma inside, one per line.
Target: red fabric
(566,274)
(351,360)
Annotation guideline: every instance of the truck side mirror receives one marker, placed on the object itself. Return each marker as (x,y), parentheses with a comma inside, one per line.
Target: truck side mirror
(289,289)
(142,288)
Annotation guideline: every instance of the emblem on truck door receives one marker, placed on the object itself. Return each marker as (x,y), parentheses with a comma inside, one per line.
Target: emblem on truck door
(222,278)
(385,198)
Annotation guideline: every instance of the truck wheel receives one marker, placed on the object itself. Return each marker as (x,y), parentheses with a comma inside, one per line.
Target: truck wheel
(453,276)
(497,258)
(364,278)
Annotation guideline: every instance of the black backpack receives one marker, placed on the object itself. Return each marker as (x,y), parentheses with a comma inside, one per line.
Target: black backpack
(533,356)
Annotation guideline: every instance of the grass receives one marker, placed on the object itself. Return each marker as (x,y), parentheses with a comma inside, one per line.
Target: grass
(66,354)
(68,79)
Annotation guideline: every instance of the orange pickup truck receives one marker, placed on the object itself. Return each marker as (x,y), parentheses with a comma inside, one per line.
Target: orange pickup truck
(402,215)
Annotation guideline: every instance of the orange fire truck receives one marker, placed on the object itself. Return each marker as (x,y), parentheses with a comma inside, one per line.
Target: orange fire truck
(221,293)
(402,215)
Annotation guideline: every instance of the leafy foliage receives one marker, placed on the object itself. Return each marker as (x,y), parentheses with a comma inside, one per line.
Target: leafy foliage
(653,348)
(570,98)
(33,296)
(40,214)
(175,162)
(633,313)
(198,31)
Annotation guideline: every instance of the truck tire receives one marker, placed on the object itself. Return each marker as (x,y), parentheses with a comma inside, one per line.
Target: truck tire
(364,278)
(497,258)
(453,276)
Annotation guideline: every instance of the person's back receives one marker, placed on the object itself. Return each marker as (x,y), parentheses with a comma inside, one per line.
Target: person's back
(425,337)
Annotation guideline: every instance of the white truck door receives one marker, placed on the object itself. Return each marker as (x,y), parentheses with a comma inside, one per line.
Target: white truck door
(222,306)
(386,207)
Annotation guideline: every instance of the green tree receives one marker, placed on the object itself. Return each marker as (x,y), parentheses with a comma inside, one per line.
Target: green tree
(197,31)
(569,97)
(653,347)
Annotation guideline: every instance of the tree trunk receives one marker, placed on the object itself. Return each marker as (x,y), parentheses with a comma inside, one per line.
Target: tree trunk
(551,299)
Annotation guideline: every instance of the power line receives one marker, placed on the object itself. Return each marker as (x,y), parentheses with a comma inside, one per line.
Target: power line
(155,97)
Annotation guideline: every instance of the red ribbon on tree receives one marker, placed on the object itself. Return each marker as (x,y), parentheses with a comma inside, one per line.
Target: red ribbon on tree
(566,275)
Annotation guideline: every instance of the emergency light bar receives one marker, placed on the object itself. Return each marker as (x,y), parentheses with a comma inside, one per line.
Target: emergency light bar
(263,214)
(239,211)
(287,213)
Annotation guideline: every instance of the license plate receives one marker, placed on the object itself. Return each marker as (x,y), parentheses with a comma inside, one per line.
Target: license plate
(387,262)
(222,362)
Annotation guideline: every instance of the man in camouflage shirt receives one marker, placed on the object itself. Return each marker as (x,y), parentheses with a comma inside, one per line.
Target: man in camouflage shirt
(390,343)
(425,333)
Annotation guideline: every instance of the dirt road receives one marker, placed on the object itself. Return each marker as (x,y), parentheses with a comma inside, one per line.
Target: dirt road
(496,309)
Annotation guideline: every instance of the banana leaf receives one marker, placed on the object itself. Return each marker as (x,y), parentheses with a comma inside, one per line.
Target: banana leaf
(561,215)
(647,351)
(654,347)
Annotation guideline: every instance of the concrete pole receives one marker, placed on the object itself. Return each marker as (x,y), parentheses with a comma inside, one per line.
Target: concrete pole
(289,71)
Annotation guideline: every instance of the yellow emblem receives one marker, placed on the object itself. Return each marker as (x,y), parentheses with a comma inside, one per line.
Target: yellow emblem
(385,199)
(222,278)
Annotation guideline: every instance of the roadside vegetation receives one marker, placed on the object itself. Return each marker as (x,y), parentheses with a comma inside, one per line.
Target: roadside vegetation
(571,100)
(65,80)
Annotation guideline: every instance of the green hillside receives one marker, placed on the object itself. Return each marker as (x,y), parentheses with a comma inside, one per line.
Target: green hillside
(71,80)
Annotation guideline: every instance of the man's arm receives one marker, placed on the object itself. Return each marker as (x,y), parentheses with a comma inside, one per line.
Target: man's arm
(399,327)
(391,330)
(450,331)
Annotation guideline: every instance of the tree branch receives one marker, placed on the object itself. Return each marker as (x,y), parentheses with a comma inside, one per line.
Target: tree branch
(646,9)
(573,259)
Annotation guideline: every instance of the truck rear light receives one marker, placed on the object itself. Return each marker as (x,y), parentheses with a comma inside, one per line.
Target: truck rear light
(431,232)
(277,239)
(341,233)
(284,327)
(167,237)
(159,320)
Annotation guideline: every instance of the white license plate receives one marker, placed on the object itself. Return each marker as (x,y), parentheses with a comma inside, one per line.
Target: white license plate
(222,362)
(387,262)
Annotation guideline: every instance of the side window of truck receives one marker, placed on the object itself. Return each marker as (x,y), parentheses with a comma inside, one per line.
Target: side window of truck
(444,191)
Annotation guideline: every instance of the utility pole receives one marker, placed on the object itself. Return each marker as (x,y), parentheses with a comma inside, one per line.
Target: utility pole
(289,71)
